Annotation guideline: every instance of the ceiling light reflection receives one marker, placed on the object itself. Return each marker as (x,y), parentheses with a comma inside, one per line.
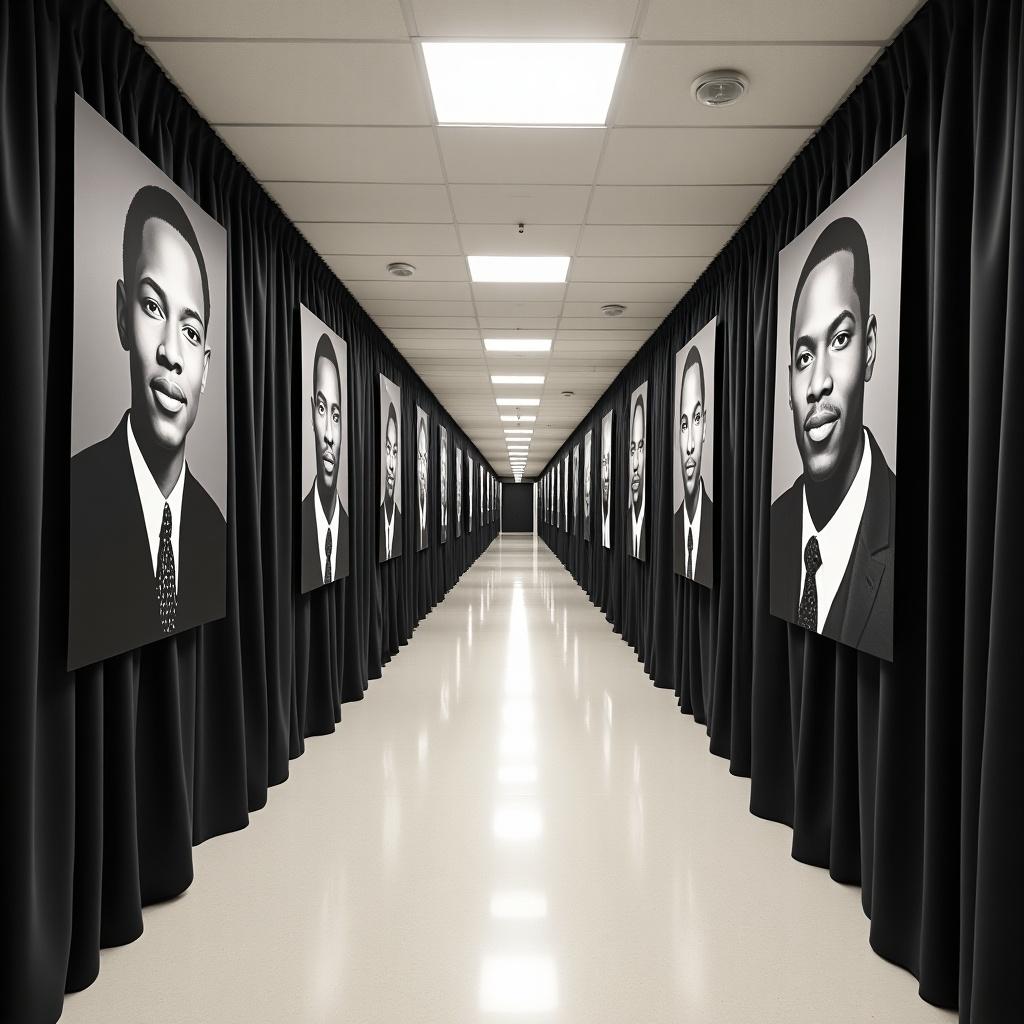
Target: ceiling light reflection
(517,823)
(520,905)
(518,984)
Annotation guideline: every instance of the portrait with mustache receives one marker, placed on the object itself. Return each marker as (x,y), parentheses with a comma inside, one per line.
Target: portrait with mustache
(832,531)
(390,518)
(323,516)
(148,543)
(693,519)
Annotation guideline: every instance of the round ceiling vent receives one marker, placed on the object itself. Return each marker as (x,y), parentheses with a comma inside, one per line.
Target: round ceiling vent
(719,88)
(613,309)
(568,394)
(401,269)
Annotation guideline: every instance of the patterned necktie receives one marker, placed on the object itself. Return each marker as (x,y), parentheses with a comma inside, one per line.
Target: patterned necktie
(328,548)
(689,552)
(807,616)
(166,590)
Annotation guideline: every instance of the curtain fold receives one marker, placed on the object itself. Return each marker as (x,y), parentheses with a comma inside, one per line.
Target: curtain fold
(113,773)
(902,778)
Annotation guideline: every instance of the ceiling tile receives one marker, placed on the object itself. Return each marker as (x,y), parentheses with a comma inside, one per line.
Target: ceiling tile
(629,291)
(308,201)
(512,308)
(395,289)
(576,19)
(374,268)
(660,268)
(505,239)
(512,204)
(653,240)
(673,204)
(699,156)
(350,153)
(789,85)
(746,20)
(496,292)
(634,309)
(416,307)
(542,325)
(435,338)
(298,82)
(521,155)
(334,239)
(389,323)
(617,324)
(602,339)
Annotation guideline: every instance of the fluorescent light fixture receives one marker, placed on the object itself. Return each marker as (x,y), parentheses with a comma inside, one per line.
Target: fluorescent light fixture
(521,83)
(519,269)
(517,344)
(518,419)
(518,401)
(517,378)
(516,430)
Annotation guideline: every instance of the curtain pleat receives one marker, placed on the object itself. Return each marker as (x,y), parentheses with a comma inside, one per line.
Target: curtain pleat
(903,778)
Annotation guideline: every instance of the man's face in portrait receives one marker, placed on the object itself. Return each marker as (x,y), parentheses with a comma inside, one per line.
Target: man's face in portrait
(586,487)
(444,475)
(161,327)
(691,430)
(327,427)
(606,477)
(421,463)
(832,357)
(390,456)
(636,457)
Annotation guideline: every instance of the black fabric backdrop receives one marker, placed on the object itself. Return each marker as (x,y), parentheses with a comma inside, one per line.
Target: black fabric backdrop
(112,774)
(903,778)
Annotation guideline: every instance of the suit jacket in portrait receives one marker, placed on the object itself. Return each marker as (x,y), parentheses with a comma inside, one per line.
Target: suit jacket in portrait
(702,570)
(396,543)
(421,530)
(112,588)
(312,561)
(861,614)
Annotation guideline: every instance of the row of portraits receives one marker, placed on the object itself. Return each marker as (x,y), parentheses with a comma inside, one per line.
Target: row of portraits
(833,485)
(149,454)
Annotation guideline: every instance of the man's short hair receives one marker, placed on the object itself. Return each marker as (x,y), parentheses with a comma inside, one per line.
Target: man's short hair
(154,203)
(392,415)
(692,359)
(842,235)
(325,350)
(639,405)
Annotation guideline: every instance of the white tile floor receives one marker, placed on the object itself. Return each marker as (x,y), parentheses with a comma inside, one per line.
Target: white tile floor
(513,826)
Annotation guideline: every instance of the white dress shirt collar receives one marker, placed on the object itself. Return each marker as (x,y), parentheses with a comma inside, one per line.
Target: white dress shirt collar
(638,523)
(322,526)
(389,528)
(152,500)
(694,524)
(836,538)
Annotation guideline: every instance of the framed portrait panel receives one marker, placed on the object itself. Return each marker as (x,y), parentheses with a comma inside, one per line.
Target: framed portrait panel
(389,518)
(636,466)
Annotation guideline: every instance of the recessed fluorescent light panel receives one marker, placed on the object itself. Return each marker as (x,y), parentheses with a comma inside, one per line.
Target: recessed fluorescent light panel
(518,419)
(519,269)
(516,378)
(522,83)
(518,401)
(517,430)
(517,344)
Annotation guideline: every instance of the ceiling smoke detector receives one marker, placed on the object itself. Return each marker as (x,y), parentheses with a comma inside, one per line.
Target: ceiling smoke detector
(568,394)
(719,88)
(613,309)
(401,269)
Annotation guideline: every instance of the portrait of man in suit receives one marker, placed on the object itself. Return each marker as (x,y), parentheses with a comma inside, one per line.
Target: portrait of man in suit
(832,530)
(422,476)
(390,518)
(323,516)
(443,439)
(606,479)
(147,540)
(575,488)
(693,520)
(469,493)
(588,444)
(458,492)
(638,472)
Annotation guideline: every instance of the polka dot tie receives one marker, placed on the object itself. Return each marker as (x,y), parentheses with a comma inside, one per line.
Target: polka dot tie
(689,552)
(328,548)
(807,616)
(166,588)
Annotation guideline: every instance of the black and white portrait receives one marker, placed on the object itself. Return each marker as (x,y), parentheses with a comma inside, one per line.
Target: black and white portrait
(637,468)
(458,492)
(389,539)
(576,489)
(588,481)
(480,490)
(834,454)
(693,463)
(148,410)
(422,479)
(323,405)
(606,479)
(443,482)
(566,503)
(469,492)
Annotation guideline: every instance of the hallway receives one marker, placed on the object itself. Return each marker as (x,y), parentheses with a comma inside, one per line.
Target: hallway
(514,825)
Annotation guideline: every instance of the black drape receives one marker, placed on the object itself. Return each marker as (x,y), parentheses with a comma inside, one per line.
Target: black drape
(902,778)
(111,775)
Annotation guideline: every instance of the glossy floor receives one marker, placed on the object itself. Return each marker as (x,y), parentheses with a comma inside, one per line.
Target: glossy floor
(513,826)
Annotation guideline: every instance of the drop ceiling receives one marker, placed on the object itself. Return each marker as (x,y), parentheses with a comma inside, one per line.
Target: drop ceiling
(328,105)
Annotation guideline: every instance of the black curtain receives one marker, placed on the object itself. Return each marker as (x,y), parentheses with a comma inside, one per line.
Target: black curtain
(902,778)
(112,774)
